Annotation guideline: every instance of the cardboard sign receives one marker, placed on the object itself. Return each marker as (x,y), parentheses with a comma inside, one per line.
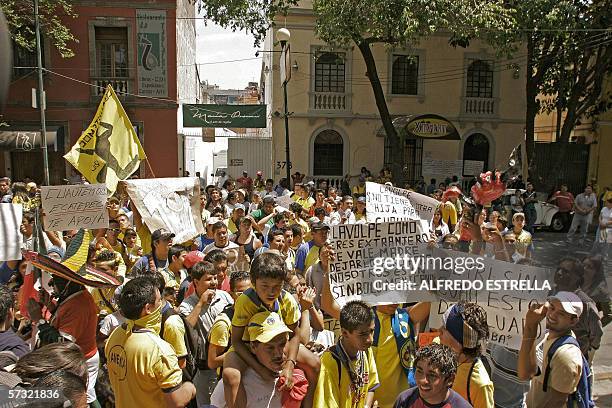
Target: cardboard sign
(10,235)
(356,274)
(75,206)
(387,203)
(170,203)
(506,307)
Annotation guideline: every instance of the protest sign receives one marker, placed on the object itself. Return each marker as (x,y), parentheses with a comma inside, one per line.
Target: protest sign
(438,167)
(360,271)
(170,203)
(388,203)
(284,201)
(74,206)
(10,234)
(506,306)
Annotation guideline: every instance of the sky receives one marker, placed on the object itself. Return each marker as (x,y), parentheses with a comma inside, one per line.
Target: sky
(215,44)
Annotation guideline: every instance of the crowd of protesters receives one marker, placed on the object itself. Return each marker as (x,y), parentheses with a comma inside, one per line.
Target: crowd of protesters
(243,315)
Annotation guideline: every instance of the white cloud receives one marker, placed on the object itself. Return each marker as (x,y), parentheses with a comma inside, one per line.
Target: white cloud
(214,44)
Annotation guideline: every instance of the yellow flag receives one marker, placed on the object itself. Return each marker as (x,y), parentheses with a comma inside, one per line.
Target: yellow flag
(108,151)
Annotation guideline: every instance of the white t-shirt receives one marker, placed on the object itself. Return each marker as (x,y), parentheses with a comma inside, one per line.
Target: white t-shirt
(209,313)
(605,216)
(111,322)
(259,393)
(211,246)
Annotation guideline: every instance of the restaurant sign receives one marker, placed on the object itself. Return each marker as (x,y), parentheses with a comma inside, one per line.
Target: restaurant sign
(224,116)
(431,127)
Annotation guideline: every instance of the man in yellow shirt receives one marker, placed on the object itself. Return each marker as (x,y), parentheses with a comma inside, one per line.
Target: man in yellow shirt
(348,374)
(302,197)
(465,330)
(360,189)
(143,369)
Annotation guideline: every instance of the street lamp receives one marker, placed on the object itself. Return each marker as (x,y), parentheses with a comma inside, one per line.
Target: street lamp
(283,35)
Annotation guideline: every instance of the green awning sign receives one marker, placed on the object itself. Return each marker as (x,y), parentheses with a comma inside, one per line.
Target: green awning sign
(224,116)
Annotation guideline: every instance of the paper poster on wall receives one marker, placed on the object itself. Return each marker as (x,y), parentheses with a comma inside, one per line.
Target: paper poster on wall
(10,234)
(472,167)
(152,53)
(74,206)
(170,203)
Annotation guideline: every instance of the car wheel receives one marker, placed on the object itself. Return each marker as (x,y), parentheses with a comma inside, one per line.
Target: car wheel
(557,224)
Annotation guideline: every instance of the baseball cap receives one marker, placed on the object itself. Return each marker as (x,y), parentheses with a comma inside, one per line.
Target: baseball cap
(192,258)
(243,191)
(319,226)
(264,326)
(570,302)
(245,172)
(161,233)
(361,199)
(239,207)
(213,220)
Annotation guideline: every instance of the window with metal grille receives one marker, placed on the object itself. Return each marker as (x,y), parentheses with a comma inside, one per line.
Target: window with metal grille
(479,79)
(111,52)
(328,154)
(405,74)
(412,159)
(25,61)
(329,72)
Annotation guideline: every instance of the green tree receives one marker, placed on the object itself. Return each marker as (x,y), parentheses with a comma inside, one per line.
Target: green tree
(254,16)
(569,55)
(403,23)
(20,17)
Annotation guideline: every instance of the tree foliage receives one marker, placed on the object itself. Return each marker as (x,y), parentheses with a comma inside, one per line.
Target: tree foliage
(254,16)
(403,23)
(569,55)
(21,21)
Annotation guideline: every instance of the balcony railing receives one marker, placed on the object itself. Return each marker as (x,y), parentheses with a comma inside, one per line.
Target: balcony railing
(329,101)
(332,181)
(120,85)
(480,107)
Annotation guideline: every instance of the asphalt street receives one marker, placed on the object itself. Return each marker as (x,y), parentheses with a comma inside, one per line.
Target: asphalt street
(550,247)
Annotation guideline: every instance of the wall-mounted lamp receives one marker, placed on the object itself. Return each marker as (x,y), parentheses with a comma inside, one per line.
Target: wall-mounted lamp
(516,70)
(295,66)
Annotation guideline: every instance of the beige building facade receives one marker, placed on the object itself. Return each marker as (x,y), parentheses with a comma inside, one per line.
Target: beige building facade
(334,125)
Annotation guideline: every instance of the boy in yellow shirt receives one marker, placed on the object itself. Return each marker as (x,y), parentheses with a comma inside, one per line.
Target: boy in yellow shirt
(268,274)
(221,330)
(348,375)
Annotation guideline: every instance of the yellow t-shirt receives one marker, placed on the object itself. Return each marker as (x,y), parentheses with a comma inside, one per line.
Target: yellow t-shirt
(108,294)
(334,392)
(221,331)
(312,257)
(481,386)
(359,191)
(306,203)
(392,379)
(248,304)
(174,334)
(231,226)
(141,365)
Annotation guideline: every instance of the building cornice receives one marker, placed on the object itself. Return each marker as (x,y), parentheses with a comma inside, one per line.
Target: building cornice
(125,4)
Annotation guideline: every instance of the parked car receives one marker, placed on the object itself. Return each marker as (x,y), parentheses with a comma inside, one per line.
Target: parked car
(547,214)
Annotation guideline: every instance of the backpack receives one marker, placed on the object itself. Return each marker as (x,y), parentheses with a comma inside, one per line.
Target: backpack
(195,343)
(583,397)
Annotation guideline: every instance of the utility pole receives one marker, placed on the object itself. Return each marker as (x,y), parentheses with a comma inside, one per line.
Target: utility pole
(41,100)
(283,35)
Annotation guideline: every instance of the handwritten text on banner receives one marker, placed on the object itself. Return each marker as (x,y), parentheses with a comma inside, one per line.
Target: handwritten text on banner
(75,206)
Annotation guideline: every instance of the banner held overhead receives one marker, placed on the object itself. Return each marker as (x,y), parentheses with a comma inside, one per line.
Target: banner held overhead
(224,116)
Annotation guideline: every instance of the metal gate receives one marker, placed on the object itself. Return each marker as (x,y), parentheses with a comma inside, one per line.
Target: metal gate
(573,172)
(412,161)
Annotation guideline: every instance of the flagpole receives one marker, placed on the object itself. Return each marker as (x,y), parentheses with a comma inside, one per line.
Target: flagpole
(41,99)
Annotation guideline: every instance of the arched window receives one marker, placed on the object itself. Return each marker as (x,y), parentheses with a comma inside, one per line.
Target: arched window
(328,154)
(476,147)
(479,80)
(329,72)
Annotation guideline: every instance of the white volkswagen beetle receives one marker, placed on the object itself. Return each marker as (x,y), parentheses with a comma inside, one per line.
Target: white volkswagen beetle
(548,214)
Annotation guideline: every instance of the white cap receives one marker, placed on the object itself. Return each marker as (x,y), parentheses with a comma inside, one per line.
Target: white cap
(570,302)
